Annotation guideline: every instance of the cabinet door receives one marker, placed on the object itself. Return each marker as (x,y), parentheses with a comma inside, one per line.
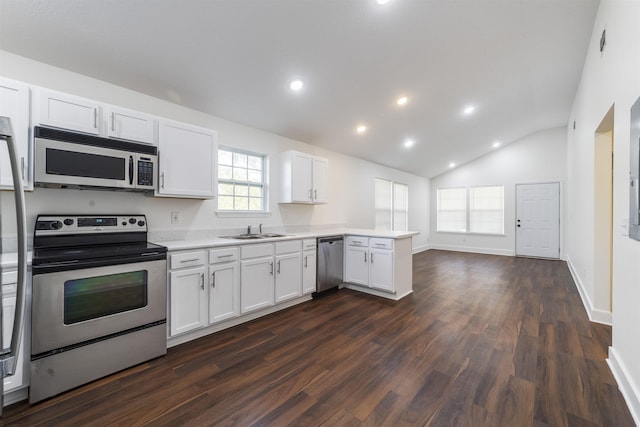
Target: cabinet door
(320,180)
(357,268)
(188,300)
(381,269)
(301,176)
(288,276)
(308,272)
(9,285)
(256,284)
(64,111)
(224,284)
(187,156)
(14,103)
(130,125)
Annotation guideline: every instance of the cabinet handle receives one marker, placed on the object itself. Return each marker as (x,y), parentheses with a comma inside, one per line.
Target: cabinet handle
(22,167)
(380,244)
(365,257)
(371,258)
(189,260)
(278,267)
(310,194)
(356,242)
(271,268)
(162,180)
(95,118)
(202,281)
(315,194)
(113,121)
(305,261)
(225,256)
(213,279)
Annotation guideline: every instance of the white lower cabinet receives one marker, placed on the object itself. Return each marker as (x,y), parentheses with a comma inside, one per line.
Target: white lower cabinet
(187,292)
(369,262)
(288,283)
(9,288)
(309,266)
(257,284)
(224,285)
(188,300)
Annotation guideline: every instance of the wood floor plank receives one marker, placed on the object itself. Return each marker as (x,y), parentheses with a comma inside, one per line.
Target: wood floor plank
(483,341)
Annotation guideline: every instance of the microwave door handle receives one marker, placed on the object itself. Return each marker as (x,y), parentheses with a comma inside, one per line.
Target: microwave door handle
(131,170)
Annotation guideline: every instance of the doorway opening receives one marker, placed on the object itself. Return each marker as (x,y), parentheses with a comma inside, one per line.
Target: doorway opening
(603,213)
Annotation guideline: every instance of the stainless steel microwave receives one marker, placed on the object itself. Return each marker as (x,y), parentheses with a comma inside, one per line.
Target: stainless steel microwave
(72,160)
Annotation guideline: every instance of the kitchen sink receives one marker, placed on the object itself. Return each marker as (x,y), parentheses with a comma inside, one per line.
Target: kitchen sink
(253,236)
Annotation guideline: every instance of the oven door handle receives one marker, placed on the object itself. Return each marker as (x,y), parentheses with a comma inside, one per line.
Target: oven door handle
(9,361)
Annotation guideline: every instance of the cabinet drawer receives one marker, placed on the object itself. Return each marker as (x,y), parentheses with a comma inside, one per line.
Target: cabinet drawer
(223,255)
(255,251)
(288,247)
(379,243)
(309,245)
(357,241)
(187,259)
(9,278)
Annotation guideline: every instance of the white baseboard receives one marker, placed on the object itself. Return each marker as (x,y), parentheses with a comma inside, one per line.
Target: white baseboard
(628,389)
(473,249)
(419,249)
(595,315)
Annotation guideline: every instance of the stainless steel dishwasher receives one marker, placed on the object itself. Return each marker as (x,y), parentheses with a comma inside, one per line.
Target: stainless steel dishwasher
(330,263)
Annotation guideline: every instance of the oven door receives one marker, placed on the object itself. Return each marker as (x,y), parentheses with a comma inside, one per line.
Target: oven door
(74,306)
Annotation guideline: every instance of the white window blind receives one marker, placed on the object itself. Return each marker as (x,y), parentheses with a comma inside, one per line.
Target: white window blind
(391,205)
(486,210)
(452,209)
(241,181)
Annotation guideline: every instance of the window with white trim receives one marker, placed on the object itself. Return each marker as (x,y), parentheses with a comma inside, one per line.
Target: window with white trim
(241,181)
(391,205)
(478,210)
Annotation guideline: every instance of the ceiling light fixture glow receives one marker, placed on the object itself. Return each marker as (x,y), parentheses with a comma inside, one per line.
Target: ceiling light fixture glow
(361,129)
(409,143)
(452,165)
(402,100)
(496,144)
(296,85)
(468,110)
(382,2)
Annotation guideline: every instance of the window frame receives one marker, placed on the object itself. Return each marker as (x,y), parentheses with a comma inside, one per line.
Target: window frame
(264,185)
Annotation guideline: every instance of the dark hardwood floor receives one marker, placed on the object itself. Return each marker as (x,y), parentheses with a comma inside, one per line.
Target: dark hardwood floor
(483,341)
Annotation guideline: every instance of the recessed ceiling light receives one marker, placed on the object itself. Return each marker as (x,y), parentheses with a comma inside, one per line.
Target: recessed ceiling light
(496,144)
(402,100)
(361,129)
(296,85)
(409,143)
(469,109)
(452,165)
(382,1)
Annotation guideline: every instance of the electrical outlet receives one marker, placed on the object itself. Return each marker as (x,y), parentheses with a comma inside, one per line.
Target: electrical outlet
(175,217)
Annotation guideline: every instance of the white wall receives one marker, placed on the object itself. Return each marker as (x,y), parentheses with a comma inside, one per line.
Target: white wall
(351,181)
(608,79)
(537,158)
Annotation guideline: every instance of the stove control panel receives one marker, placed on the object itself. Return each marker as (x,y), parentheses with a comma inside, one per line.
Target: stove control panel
(79,224)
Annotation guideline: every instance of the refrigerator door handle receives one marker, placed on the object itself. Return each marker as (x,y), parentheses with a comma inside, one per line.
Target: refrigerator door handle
(8,361)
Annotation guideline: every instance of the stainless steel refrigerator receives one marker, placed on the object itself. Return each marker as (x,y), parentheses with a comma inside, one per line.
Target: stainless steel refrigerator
(10,356)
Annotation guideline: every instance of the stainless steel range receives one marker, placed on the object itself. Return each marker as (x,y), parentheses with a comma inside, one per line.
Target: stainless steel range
(99,299)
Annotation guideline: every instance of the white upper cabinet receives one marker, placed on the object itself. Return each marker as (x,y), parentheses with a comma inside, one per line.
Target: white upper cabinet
(304,178)
(130,125)
(60,110)
(187,161)
(14,103)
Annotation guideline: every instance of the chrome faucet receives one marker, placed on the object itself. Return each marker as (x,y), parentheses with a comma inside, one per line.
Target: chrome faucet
(249,230)
(260,228)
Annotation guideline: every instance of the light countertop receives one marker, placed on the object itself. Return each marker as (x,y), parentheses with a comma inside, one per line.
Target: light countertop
(177,245)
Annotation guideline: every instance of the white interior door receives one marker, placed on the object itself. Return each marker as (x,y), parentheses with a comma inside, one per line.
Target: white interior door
(538,220)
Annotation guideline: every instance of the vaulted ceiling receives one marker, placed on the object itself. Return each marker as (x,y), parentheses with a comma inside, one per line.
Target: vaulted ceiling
(516,62)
